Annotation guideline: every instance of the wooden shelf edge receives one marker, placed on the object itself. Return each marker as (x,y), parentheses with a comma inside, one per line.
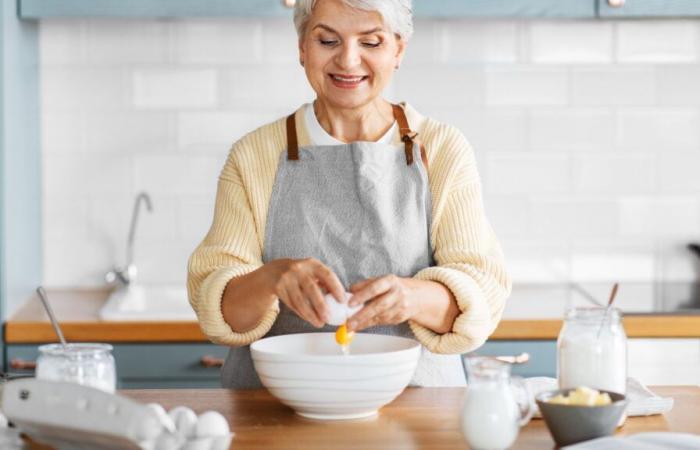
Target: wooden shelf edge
(39,332)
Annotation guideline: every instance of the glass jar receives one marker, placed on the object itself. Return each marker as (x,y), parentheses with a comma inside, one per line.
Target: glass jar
(592,350)
(86,364)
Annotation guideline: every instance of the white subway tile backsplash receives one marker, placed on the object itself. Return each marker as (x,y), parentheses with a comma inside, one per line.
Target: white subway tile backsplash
(678,85)
(613,86)
(427,45)
(216,132)
(526,85)
(531,260)
(501,129)
(148,131)
(567,218)
(218,41)
(660,217)
(627,173)
(534,173)
(670,41)
(84,88)
(661,129)
(174,88)
(81,174)
(280,44)
(432,86)
(110,41)
(195,215)
(600,264)
(176,175)
(587,135)
(571,42)
(469,41)
(62,41)
(63,132)
(277,87)
(678,173)
(577,129)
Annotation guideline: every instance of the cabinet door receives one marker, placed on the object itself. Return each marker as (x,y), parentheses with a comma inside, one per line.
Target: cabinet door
(510,8)
(543,356)
(648,8)
(147,365)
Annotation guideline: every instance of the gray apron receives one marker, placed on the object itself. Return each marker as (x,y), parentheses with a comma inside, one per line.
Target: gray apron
(364,210)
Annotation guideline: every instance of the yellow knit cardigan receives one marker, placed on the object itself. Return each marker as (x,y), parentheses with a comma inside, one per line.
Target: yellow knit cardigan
(468,255)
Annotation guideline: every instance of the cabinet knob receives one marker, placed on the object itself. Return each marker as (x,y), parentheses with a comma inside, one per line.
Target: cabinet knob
(211,361)
(21,364)
(616,3)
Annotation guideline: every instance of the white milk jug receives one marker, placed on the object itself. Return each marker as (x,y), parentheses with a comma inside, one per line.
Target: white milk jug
(496,404)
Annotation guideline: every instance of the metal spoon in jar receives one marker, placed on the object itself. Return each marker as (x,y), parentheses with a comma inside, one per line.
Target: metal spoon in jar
(49,311)
(613,293)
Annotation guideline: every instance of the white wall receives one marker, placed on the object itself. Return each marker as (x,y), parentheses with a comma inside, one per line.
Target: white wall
(587,135)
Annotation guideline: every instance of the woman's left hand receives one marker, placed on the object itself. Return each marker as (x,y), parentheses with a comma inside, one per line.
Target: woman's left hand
(386,300)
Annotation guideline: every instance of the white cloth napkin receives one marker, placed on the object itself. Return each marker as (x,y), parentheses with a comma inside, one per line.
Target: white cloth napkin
(642,402)
(642,441)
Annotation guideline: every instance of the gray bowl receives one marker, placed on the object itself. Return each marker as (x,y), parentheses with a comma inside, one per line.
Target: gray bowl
(569,424)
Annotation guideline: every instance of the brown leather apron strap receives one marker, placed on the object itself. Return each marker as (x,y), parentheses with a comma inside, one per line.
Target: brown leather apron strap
(292,146)
(408,136)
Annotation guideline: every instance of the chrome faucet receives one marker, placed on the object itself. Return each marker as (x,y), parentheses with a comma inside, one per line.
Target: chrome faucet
(127,274)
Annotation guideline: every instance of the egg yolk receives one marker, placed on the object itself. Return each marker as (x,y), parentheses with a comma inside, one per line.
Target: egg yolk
(343,336)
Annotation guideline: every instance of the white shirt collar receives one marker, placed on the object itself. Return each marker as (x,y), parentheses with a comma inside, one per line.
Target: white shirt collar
(319,136)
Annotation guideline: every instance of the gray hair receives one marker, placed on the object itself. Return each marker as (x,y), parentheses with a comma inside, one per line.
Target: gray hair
(397,14)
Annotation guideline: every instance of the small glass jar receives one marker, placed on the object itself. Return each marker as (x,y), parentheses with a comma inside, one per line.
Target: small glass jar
(86,364)
(592,350)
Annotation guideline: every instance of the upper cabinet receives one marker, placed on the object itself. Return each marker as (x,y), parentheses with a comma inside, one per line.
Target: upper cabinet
(648,8)
(505,8)
(38,9)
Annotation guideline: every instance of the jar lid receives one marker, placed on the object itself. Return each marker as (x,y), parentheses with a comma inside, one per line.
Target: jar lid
(75,350)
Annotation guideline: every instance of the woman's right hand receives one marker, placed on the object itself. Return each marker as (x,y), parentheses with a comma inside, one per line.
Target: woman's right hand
(298,283)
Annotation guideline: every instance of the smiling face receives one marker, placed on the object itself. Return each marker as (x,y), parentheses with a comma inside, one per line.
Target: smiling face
(349,55)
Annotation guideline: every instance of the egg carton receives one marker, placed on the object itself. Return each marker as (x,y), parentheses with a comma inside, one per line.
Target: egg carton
(71,416)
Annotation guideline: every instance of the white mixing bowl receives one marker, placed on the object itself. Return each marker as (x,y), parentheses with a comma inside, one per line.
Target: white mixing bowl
(309,373)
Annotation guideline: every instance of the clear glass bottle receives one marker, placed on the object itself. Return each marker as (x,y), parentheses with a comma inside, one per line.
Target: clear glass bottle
(592,350)
(87,364)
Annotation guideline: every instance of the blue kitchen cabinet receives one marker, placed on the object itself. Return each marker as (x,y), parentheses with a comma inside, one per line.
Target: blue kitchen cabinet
(649,9)
(38,9)
(543,356)
(505,8)
(143,366)
(20,159)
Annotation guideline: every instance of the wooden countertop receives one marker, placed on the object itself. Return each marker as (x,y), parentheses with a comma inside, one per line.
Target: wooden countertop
(526,317)
(420,418)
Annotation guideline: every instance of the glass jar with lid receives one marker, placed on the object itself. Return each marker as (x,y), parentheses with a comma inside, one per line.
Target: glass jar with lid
(84,363)
(592,350)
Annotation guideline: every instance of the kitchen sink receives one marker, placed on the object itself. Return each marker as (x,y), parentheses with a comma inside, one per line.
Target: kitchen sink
(148,303)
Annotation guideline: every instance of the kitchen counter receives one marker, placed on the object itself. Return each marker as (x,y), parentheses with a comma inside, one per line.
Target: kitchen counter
(425,418)
(531,314)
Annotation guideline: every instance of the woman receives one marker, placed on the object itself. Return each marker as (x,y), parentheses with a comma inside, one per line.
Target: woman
(342,195)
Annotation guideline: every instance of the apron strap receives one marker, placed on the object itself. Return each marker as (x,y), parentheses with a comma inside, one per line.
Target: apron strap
(408,136)
(292,146)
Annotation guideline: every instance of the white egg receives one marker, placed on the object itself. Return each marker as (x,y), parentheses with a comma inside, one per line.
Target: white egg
(338,313)
(222,442)
(185,420)
(198,444)
(211,424)
(163,417)
(169,441)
